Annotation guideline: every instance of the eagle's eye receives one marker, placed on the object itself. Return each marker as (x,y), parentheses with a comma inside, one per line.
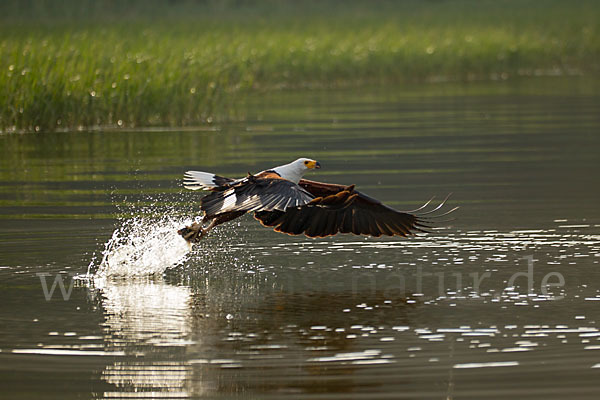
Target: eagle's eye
(305,162)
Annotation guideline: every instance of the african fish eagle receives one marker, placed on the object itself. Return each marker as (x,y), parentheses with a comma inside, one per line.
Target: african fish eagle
(281,199)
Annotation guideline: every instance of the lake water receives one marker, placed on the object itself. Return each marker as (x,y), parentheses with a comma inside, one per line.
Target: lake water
(503,302)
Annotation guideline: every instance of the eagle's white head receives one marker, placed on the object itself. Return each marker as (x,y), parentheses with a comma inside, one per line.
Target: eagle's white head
(296,169)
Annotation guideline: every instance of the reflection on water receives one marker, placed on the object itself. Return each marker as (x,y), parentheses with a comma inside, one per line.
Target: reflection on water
(147,312)
(142,314)
(503,304)
(147,380)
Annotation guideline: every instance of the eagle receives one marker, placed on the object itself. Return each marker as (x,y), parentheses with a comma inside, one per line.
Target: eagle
(281,199)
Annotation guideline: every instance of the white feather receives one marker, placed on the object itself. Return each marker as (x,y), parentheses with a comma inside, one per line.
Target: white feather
(229,200)
(289,203)
(195,180)
(294,170)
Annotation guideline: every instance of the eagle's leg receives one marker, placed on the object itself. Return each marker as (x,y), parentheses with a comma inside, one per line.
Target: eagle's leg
(196,231)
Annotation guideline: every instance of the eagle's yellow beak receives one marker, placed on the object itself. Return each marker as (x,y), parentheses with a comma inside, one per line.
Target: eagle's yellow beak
(312,164)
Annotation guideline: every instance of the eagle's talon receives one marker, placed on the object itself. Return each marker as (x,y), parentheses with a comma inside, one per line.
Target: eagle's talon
(195,232)
(192,233)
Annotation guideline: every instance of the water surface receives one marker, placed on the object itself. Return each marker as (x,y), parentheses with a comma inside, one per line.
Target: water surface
(256,314)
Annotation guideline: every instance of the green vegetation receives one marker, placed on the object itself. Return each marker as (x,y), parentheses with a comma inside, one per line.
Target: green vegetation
(82,64)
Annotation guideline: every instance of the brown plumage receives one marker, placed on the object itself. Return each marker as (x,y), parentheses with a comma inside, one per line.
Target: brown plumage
(295,206)
(342,209)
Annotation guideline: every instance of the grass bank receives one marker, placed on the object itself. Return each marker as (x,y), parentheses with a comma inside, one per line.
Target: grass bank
(154,64)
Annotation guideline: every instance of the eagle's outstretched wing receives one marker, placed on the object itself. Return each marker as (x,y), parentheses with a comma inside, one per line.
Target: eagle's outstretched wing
(266,192)
(342,209)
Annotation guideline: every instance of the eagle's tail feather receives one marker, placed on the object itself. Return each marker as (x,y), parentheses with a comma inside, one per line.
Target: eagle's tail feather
(195,180)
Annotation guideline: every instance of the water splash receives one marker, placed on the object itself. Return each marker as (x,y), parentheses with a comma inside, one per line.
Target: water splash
(143,246)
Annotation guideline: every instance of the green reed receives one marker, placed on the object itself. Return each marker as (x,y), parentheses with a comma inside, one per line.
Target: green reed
(185,67)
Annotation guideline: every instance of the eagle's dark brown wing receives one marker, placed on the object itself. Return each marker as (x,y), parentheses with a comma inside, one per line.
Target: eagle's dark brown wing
(342,209)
